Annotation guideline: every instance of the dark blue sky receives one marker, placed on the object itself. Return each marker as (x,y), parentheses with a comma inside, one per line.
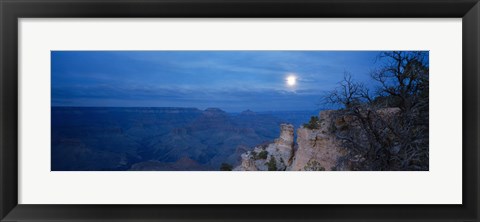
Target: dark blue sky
(230,80)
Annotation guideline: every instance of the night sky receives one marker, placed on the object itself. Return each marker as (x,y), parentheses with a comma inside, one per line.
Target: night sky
(230,80)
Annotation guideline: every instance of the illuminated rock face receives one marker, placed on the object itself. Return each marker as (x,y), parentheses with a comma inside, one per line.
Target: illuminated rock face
(274,156)
(286,135)
(317,149)
(283,148)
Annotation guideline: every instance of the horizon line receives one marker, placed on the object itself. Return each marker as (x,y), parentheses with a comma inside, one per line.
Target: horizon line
(313,110)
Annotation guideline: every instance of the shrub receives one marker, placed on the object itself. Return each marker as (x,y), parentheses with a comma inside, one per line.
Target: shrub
(226,167)
(313,165)
(314,123)
(262,155)
(272,164)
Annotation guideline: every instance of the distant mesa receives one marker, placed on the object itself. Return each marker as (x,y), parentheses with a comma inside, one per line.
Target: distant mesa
(176,110)
(212,109)
(248,113)
(214,112)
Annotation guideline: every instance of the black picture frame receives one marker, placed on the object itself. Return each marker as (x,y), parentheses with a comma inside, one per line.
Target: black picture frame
(12,10)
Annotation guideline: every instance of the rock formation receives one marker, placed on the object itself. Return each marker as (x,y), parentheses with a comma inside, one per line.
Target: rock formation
(275,156)
(317,149)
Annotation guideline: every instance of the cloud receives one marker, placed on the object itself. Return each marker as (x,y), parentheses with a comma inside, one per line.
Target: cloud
(250,79)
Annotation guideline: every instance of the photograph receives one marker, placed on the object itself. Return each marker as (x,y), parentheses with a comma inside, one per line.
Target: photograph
(239,110)
(126,110)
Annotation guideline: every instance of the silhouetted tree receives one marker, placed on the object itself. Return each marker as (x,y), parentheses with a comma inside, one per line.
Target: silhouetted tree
(387,129)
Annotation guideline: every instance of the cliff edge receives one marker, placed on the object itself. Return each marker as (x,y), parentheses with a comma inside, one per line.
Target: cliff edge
(315,149)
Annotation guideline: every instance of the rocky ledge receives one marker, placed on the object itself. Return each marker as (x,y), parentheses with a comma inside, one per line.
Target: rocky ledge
(316,149)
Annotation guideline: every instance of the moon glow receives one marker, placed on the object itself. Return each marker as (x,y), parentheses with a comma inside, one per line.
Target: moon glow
(291,80)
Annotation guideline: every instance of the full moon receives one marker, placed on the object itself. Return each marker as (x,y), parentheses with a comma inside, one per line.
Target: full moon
(291,80)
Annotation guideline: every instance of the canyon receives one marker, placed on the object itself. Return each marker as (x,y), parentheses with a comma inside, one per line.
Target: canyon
(159,138)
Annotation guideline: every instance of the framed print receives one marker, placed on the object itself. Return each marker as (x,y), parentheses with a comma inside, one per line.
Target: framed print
(226,110)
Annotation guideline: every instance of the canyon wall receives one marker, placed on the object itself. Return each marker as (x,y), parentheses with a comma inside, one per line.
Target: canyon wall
(315,149)
(275,156)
